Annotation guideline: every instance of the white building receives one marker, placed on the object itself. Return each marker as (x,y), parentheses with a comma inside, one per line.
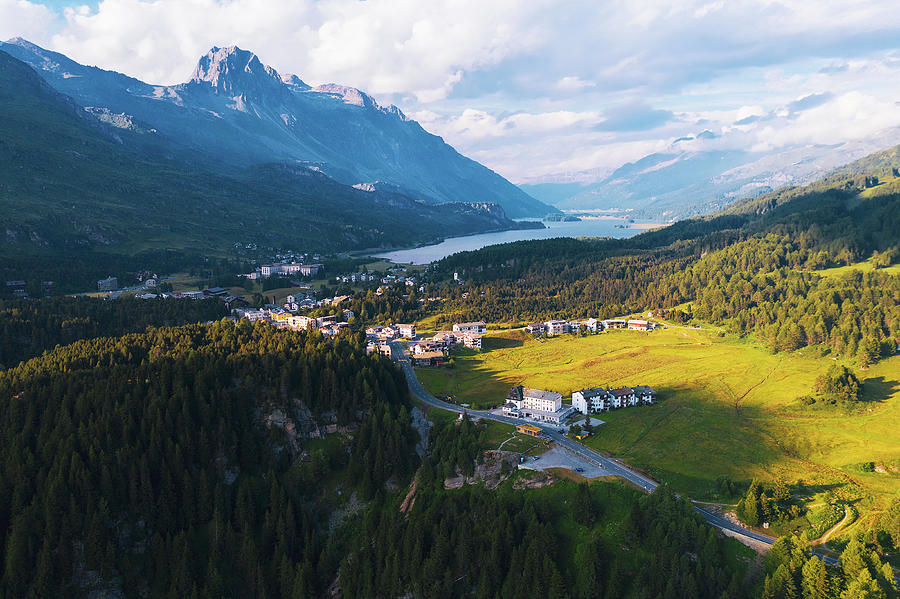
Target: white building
(556,327)
(301,323)
(623,397)
(574,326)
(545,401)
(535,328)
(470,327)
(108,284)
(407,330)
(592,325)
(587,401)
(644,394)
(471,341)
(536,404)
(639,325)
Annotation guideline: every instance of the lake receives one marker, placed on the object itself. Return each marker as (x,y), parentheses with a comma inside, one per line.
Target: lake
(452,245)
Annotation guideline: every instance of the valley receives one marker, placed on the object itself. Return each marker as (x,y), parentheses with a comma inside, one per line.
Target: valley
(570,301)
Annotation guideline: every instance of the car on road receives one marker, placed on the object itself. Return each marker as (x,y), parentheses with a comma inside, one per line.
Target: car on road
(535,458)
(579,470)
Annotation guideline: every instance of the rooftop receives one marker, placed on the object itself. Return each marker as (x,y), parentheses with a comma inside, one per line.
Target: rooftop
(541,394)
(593,392)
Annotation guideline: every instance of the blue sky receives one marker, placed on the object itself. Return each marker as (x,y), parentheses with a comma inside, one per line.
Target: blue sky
(538,89)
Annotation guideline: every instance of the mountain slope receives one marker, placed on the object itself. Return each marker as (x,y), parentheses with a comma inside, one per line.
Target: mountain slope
(241,112)
(73,185)
(682,182)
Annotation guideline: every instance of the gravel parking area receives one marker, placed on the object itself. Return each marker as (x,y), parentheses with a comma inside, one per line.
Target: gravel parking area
(558,457)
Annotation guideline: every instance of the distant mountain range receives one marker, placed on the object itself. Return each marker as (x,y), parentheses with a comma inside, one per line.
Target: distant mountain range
(89,191)
(240,112)
(680,183)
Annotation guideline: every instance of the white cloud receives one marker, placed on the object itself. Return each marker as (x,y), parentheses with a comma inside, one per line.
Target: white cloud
(573,84)
(386,47)
(528,86)
(20,18)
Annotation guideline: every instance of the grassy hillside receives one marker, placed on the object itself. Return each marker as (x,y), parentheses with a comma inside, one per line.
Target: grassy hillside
(728,407)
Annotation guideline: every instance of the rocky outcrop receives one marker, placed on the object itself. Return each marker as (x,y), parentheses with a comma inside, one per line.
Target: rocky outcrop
(491,471)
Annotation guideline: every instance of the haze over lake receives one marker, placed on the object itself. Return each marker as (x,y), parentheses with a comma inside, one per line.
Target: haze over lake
(583,228)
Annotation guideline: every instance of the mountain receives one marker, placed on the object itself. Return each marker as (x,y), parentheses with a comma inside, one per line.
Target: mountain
(681,183)
(239,111)
(77,192)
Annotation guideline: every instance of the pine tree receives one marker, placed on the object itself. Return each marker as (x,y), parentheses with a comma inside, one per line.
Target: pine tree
(814,583)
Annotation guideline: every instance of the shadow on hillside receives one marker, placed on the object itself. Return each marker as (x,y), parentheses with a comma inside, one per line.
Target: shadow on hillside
(878,389)
(490,343)
(816,489)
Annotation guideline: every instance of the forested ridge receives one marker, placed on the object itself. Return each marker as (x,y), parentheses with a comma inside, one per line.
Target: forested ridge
(142,462)
(28,328)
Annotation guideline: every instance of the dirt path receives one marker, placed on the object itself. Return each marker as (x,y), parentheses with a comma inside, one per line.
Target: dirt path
(737,402)
(824,538)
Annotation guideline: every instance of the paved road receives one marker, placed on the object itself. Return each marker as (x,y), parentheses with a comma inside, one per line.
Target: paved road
(610,466)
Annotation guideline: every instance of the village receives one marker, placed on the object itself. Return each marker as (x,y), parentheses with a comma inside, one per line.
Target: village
(534,405)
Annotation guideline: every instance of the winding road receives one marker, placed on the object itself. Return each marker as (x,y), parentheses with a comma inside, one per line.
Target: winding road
(612,466)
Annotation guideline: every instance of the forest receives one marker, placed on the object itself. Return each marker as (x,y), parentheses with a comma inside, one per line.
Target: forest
(142,462)
(29,328)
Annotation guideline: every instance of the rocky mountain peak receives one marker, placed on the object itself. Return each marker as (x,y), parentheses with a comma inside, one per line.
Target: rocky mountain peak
(295,82)
(350,95)
(234,72)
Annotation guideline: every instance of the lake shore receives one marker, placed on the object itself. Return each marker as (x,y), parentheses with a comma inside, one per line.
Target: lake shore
(599,226)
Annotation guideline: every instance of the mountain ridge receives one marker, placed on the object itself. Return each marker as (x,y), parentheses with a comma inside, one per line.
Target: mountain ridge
(339,129)
(681,181)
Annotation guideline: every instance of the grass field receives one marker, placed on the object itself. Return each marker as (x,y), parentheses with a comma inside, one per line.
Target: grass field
(727,407)
(866,266)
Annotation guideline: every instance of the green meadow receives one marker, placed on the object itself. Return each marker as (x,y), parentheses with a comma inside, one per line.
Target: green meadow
(727,407)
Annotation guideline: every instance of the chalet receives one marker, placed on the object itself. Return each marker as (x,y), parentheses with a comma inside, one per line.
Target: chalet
(347,314)
(529,429)
(623,397)
(215,292)
(429,345)
(614,323)
(644,394)
(429,358)
(596,399)
(471,341)
(479,328)
(556,327)
(407,330)
(535,328)
(639,325)
(446,337)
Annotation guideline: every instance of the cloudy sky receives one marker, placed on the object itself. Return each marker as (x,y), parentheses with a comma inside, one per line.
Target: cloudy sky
(536,89)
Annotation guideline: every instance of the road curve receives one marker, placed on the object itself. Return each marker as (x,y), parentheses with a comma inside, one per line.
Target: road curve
(613,467)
